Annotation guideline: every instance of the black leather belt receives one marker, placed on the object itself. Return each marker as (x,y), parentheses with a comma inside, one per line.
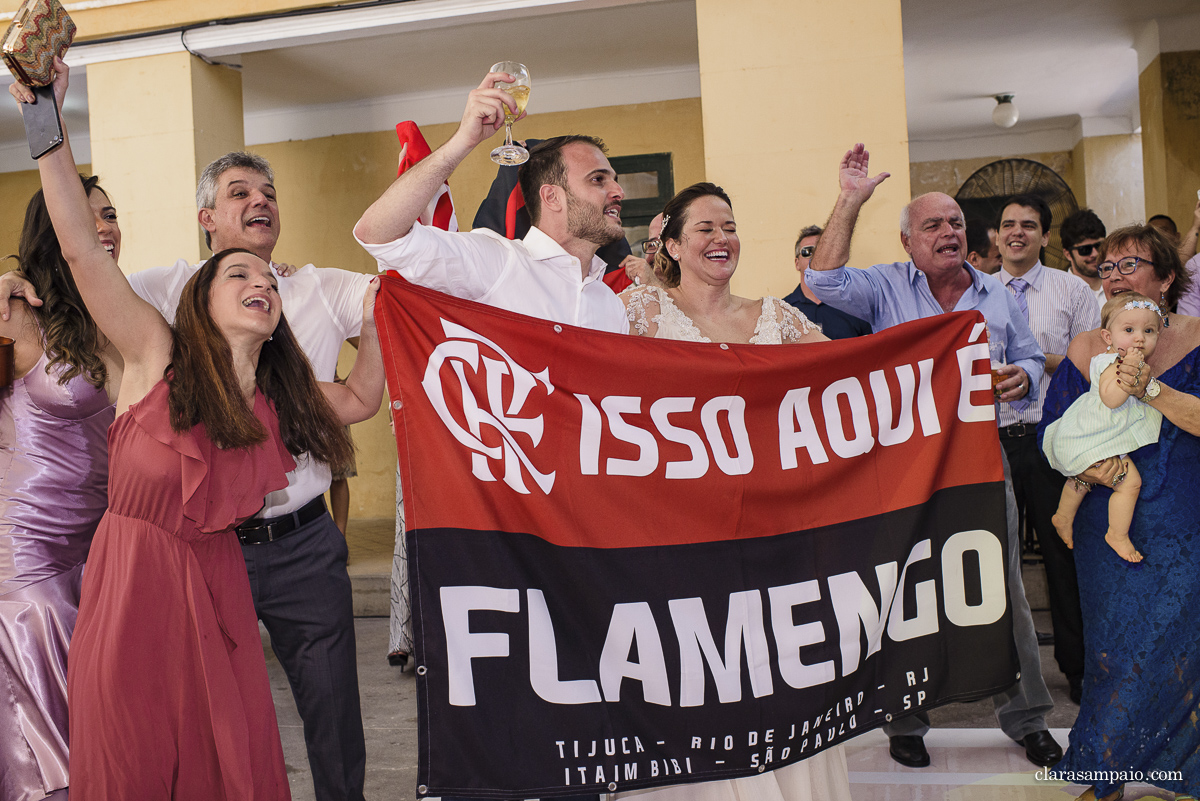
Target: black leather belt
(1019,430)
(258,530)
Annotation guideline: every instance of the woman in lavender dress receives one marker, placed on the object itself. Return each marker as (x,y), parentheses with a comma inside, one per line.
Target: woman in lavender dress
(54,420)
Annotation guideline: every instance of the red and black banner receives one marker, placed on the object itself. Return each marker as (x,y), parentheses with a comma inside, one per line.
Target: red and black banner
(638,562)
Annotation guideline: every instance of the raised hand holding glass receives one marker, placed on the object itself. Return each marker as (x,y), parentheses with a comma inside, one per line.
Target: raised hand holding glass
(509,154)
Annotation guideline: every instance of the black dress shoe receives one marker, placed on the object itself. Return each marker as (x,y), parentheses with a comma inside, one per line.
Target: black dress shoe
(909,750)
(1041,749)
(1045,638)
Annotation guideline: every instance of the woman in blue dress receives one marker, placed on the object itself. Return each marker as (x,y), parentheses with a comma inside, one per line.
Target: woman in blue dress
(1141,622)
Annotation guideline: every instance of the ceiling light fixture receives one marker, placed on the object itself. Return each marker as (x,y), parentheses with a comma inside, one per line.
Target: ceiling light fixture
(1005,114)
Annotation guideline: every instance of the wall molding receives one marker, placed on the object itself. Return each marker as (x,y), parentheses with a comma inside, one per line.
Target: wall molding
(334,24)
(431,108)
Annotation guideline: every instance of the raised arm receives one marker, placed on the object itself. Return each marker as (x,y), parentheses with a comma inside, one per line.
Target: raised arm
(134,327)
(1187,243)
(359,398)
(855,188)
(393,215)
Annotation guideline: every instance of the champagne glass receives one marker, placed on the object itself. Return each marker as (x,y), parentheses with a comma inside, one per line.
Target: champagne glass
(509,154)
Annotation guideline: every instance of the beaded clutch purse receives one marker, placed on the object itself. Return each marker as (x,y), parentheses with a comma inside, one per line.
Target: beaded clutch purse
(40,30)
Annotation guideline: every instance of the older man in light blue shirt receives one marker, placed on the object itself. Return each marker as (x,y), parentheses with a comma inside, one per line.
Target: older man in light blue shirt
(937,280)
(890,294)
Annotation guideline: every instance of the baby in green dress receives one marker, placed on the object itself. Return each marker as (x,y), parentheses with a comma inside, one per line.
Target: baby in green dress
(1109,421)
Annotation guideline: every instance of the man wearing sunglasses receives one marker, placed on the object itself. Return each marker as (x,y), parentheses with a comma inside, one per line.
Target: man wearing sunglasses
(835,323)
(1082,234)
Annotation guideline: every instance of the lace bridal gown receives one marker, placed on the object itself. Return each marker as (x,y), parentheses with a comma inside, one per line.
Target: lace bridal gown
(824,776)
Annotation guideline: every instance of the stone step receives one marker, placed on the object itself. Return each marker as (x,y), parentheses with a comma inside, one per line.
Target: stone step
(371,544)
(1034,576)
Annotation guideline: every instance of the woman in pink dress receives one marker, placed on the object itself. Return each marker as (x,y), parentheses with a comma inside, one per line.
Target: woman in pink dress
(53,475)
(167,684)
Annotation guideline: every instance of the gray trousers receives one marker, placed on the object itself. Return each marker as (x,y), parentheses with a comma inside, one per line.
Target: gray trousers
(1022,708)
(302,595)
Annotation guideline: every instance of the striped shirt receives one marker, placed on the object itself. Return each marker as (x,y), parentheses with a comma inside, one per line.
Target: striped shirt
(1061,307)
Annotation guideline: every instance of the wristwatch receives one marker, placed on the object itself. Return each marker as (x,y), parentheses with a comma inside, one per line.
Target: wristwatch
(1152,390)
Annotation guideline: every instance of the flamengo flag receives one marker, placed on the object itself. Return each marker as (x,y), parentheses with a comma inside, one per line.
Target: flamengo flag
(413,147)
(639,562)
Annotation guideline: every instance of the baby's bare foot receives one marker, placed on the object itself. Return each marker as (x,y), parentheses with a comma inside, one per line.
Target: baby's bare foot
(1065,528)
(1123,546)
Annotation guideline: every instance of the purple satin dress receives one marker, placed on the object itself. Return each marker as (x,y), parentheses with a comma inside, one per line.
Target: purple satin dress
(53,490)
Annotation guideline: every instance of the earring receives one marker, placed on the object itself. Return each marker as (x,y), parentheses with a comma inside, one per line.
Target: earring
(1162,311)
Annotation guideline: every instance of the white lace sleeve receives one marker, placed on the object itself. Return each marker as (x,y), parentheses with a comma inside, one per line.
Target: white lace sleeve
(792,322)
(642,310)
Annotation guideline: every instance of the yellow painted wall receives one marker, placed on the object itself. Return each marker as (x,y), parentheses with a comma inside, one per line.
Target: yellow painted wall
(1103,172)
(16,188)
(1170,104)
(1110,174)
(788,87)
(1154,148)
(948,176)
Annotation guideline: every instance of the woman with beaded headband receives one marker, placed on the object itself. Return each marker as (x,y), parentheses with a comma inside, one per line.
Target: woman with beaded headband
(1108,421)
(1141,623)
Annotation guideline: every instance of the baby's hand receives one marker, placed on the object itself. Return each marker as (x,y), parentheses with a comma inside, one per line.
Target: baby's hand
(1132,371)
(1134,356)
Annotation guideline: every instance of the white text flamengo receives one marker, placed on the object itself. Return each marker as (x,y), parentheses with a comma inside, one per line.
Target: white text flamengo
(853,607)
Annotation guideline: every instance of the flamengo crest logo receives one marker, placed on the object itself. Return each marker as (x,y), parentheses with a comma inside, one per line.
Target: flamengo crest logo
(466,349)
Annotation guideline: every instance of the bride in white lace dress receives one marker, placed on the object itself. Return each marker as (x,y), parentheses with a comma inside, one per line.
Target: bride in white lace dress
(699,255)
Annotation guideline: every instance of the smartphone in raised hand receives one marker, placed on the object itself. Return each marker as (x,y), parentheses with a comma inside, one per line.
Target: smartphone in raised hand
(43,128)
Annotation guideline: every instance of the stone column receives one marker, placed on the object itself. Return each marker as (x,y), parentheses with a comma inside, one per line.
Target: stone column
(1108,171)
(156,122)
(1169,95)
(787,88)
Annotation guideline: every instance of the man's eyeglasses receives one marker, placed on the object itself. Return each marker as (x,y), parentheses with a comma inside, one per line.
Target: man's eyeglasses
(1124,266)
(806,252)
(1084,250)
(650,247)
